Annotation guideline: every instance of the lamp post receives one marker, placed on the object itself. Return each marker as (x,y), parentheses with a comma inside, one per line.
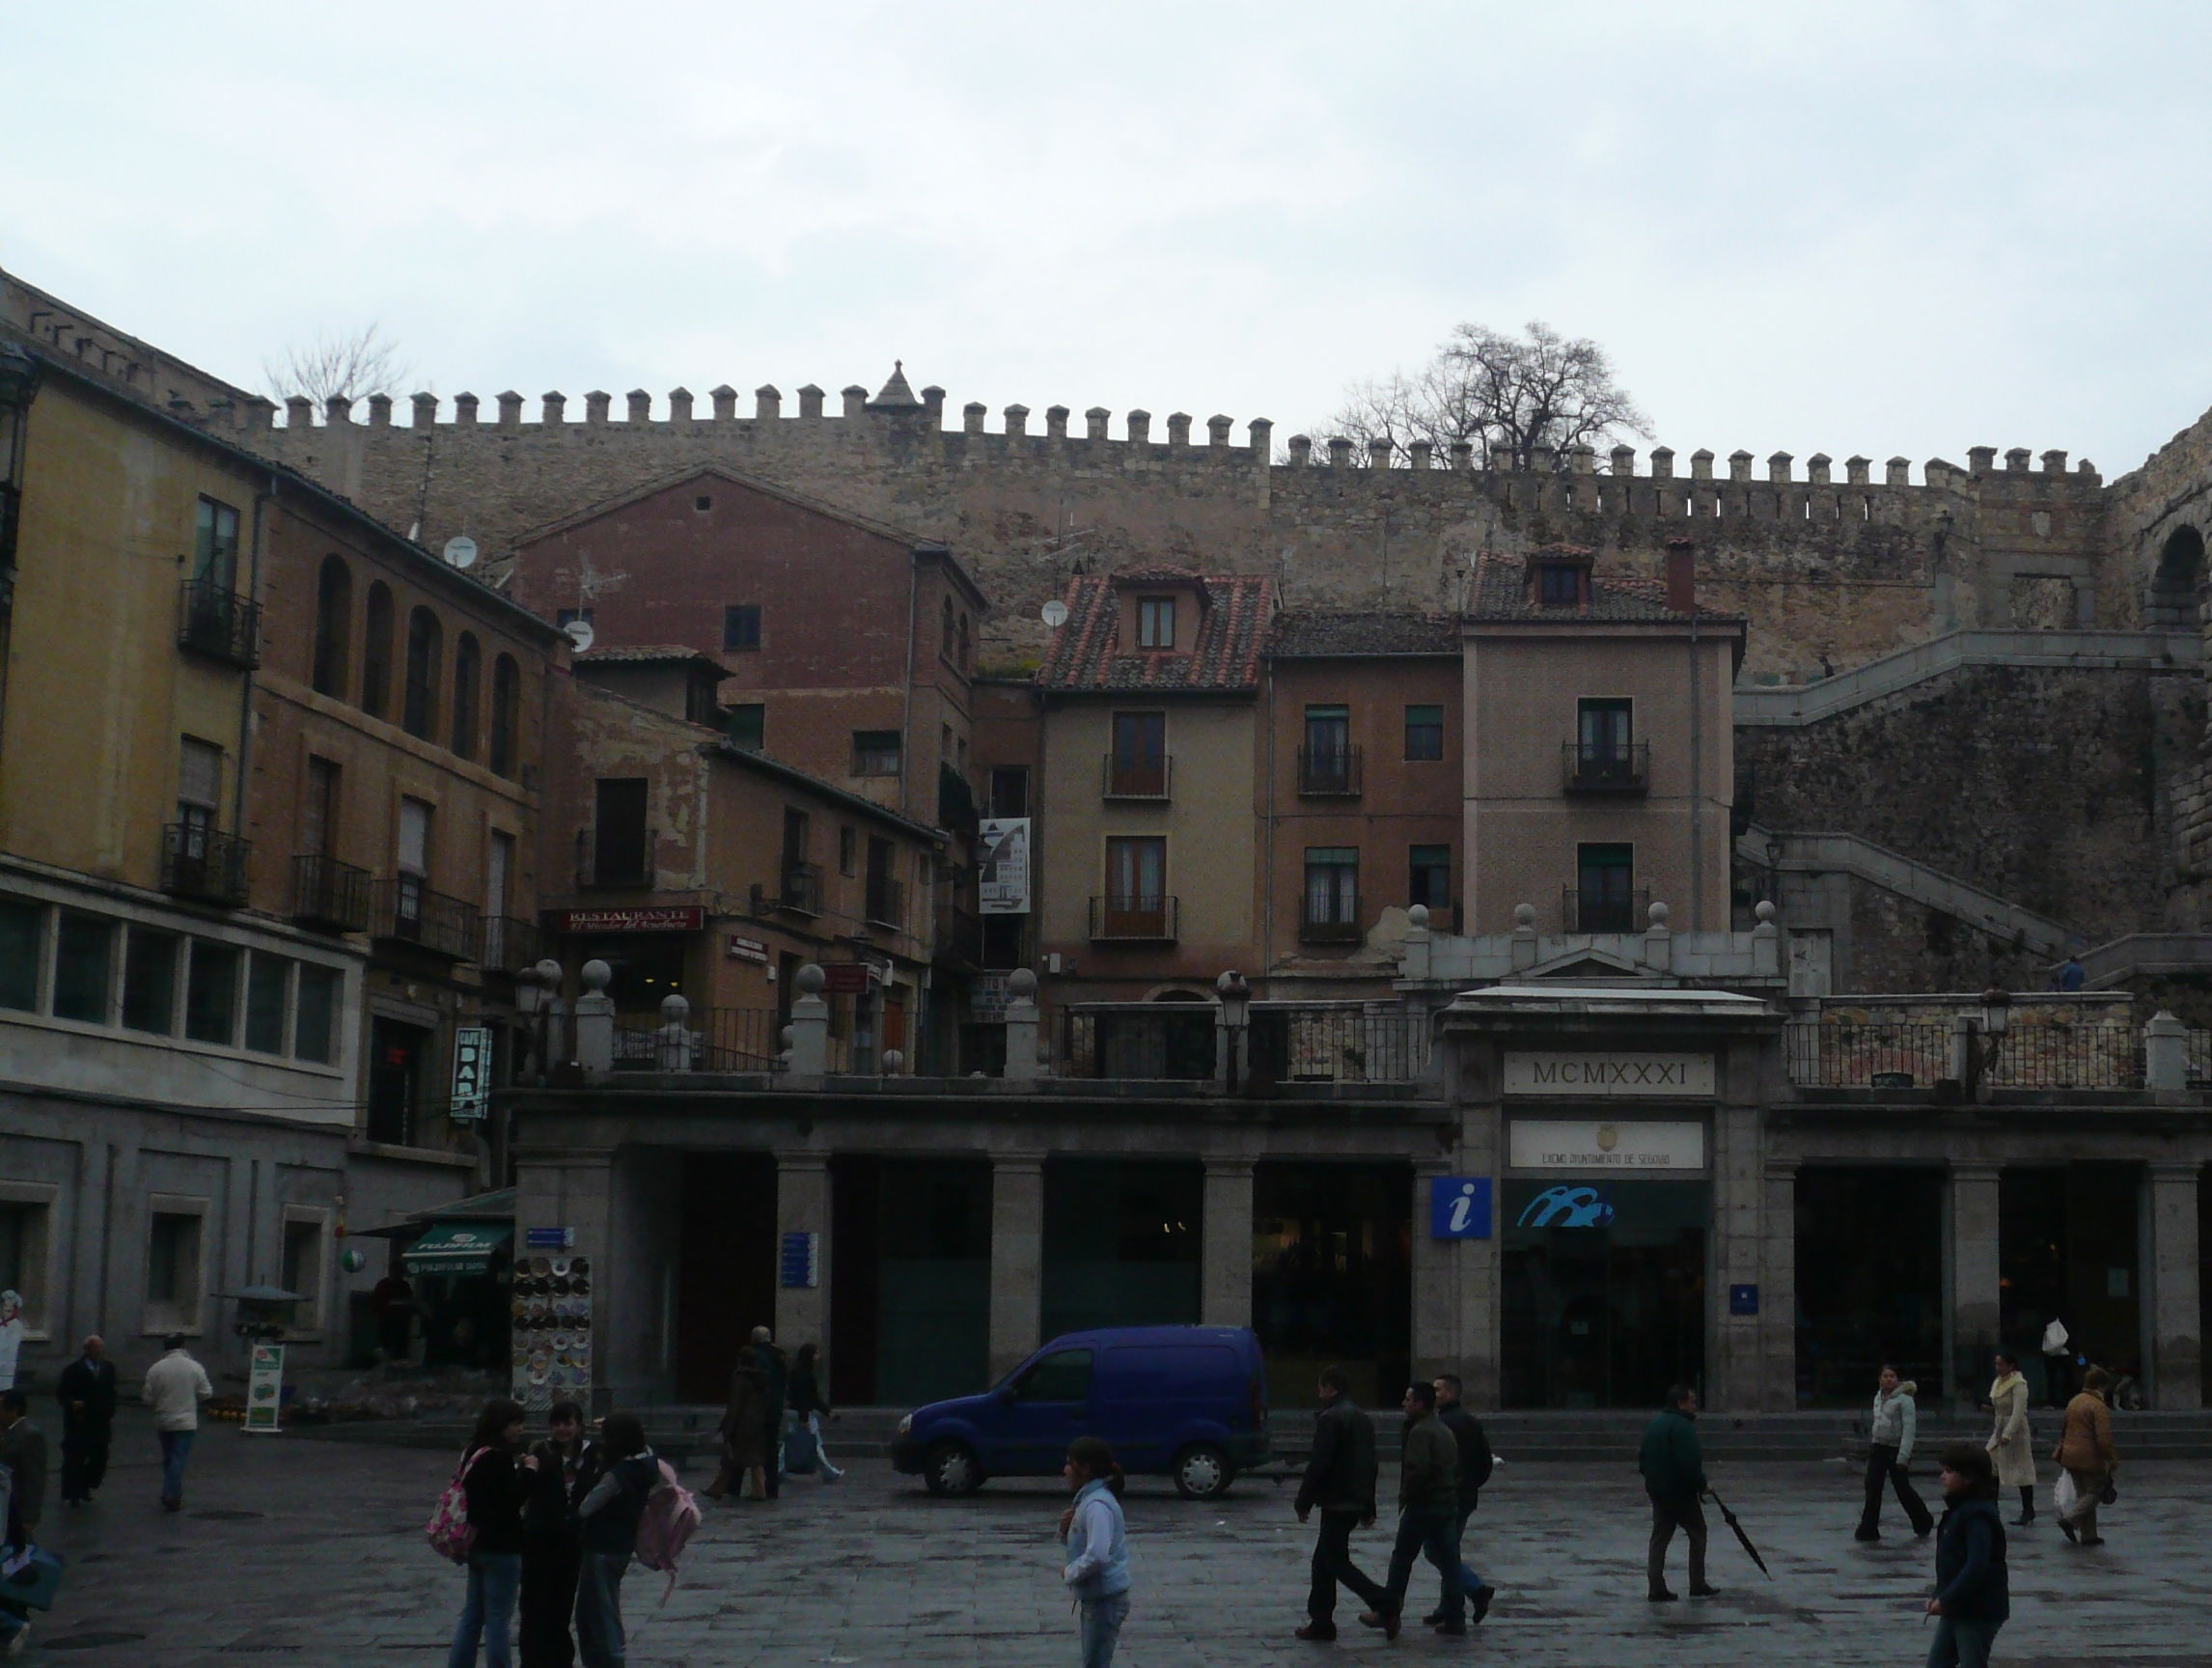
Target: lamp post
(1236,1009)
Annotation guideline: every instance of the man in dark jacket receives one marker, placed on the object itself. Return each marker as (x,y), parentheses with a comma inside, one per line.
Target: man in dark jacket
(1972,1595)
(1428,1509)
(1340,1480)
(1675,1478)
(1474,1462)
(23,1451)
(776,1367)
(87,1392)
(552,1542)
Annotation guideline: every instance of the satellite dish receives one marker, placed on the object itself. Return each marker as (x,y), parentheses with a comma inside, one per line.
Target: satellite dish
(580,633)
(1055,613)
(460,552)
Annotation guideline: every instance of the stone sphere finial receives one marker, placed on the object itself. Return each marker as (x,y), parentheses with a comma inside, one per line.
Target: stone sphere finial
(549,973)
(1764,910)
(596,973)
(894,1061)
(1657,914)
(1021,984)
(1418,915)
(1523,915)
(674,1008)
(809,980)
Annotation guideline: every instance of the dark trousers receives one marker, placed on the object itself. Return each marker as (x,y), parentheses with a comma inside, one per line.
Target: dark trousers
(549,1568)
(1431,1534)
(1333,1565)
(1884,1472)
(84,1458)
(1666,1516)
(773,1475)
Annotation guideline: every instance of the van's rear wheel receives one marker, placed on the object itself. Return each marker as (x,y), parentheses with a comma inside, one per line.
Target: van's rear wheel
(951,1469)
(1202,1472)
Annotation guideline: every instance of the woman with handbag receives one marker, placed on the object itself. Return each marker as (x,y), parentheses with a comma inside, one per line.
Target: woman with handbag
(2011,1444)
(808,1411)
(2088,1457)
(495,1486)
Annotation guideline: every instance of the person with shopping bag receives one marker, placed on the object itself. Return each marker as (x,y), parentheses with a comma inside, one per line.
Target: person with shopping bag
(804,1454)
(2086,1454)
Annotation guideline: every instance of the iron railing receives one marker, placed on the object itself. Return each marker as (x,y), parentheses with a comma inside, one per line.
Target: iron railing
(1127,778)
(713,1039)
(406,911)
(1330,772)
(798,889)
(510,945)
(203,865)
(886,904)
(2036,1055)
(1337,922)
(1918,1054)
(623,864)
(330,895)
(1607,911)
(1157,1041)
(1140,919)
(1909,1054)
(2201,1059)
(215,621)
(1589,768)
(1336,1043)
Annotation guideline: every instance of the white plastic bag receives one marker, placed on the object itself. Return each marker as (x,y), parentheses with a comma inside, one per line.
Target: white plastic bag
(2064,1497)
(2055,1338)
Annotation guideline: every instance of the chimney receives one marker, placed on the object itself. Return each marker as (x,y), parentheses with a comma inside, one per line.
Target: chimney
(1681,576)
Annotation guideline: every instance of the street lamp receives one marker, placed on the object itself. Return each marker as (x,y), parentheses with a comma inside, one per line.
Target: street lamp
(1236,1009)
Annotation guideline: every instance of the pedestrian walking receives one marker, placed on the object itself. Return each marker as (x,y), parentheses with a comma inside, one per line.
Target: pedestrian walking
(1972,1597)
(774,1380)
(611,1514)
(1340,1481)
(2011,1444)
(552,1538)
(745,1447)
(2087,1455)
(1889,1452)
(1098,1539)
(86,1391)
(1476,1462)
(175,1386)
(12,1330)
(1428,1514)
(495,1480)
(1673,1468)
(809,1409)
(23,1454)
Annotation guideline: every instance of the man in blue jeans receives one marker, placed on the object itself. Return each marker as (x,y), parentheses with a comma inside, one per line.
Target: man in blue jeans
(1428,1514)
(1474,1462)
(175,1387)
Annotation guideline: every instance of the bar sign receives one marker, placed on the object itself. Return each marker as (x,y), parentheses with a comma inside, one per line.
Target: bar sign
(802,1260)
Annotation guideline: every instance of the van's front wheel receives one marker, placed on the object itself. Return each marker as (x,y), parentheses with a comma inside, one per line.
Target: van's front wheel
(951,1469)
(1202,1472)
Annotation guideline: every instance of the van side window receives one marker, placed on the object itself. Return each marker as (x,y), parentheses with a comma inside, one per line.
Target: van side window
(1061,1376)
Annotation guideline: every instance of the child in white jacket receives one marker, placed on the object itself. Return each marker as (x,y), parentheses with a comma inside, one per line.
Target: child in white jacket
(1889,1451)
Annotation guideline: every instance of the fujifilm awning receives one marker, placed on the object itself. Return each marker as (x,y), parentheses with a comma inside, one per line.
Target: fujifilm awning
(456,1247)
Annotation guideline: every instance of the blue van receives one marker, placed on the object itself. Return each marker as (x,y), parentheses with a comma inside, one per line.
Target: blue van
(1188,1403)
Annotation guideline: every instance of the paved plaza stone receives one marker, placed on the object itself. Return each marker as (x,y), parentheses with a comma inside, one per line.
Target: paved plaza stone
(294,1550)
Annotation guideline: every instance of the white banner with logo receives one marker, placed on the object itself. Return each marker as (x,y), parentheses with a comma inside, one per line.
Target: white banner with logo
(264,1388)
(1001,886)
(1598,1144)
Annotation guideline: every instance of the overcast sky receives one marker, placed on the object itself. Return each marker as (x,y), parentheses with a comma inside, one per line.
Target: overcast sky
(1867,228)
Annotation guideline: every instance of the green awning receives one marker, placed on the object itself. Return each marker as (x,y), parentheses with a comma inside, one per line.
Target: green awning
(456,1247)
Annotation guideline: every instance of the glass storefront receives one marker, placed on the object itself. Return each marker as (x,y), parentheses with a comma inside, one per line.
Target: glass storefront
(1604,1290)
(1332,1276)
(1870,1281)
(2067,1251)
(910,1304)
(1122,1242)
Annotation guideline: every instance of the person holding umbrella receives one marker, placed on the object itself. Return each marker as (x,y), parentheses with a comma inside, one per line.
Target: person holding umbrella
(1673,1468)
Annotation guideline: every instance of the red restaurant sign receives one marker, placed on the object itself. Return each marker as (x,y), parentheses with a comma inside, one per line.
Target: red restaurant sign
(682,918)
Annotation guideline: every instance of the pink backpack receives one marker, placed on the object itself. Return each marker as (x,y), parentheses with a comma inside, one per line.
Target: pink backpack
(450,1533)
(670,1514)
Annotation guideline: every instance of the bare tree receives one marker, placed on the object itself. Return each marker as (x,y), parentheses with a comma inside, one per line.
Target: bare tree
(337,364)
(1505,394)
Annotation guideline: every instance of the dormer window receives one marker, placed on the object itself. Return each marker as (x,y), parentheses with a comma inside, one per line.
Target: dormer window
(1155,621)
(1558,584)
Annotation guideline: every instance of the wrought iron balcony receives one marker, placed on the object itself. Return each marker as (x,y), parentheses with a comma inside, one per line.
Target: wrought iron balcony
(800,889)
(215,621)
(1134,920)
(886,904)
(624,864)
(1608,911)
(329,895)
(510,945)
(1589,768)
(406,911)
(207,867)
(1339,925)
(1329,772)
(1127,778)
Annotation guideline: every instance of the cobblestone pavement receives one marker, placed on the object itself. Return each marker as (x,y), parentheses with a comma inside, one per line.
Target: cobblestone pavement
(293,1550)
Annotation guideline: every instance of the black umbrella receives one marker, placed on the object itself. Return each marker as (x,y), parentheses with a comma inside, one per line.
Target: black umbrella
(1745,1541)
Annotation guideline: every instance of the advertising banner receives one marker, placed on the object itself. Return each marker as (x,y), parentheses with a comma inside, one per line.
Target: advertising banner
(1003,881)
(675,918)
(472,1074)
(264,1388)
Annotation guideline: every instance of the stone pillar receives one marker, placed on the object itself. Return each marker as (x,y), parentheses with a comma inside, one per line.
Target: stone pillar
(1021,1026)
(1777,1373)
(1971,1265)
(2174,1317)
(810,1024)
(1225,1273)
(1017,1259)
(595,1022)
(1436,1270)
(576,1190)
(803,1206)
(1476,1267)
(1733,1364)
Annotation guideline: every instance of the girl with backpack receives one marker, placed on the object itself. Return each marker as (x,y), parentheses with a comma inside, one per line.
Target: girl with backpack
(610,1515)
(495,1486)
(1097,1538)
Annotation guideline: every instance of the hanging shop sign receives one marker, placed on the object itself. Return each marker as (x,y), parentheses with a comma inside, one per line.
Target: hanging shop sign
(675,918)
(1002,883)
(1606,1075)
(851,978)
(1601,1144)
(472,1074)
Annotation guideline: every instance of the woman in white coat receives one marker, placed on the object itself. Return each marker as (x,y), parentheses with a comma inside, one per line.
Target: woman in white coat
(2011,1444)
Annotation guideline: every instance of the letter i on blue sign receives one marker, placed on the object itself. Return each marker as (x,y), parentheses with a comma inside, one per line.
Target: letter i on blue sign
(1459,1207)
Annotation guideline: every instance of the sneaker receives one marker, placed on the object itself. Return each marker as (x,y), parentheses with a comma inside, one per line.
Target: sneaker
(1662,1596)
(1321,1633)
(1482,1596)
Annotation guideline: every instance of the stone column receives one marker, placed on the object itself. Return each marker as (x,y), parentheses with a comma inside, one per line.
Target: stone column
(1970,1263)
(1733,1365)
(1224,1277)
(1777,1290)
(1477,1265)
(2172,1318)
(575,1189)
(803,1206)
(1437,1265)
(1017,1259)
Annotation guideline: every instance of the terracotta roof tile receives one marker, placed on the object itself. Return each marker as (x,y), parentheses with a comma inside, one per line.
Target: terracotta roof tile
(1323,632)
(1500,591)
(1085,651)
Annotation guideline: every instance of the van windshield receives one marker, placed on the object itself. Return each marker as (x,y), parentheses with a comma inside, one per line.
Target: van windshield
(1063,1376)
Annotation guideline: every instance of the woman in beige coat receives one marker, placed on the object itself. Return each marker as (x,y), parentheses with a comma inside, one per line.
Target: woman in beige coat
(2011,1444)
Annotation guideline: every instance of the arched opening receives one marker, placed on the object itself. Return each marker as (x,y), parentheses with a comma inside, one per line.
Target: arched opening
(468,668)
(945,644)
(419,713)
(506,691)
(377,652)
(333,626)
(2180,566)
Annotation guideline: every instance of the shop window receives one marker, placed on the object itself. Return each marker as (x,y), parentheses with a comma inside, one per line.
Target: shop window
(747,726)
(426,648)
(173,1265)
(1425,731)
(268,982)
(376,652)
(84,952)
(212,993)
(150,980)
(1428,878)
(303,1268)
(875,752)
(468,672)
(22,936)
(315,1016)
(741,626)
(1009,790)
(333,626)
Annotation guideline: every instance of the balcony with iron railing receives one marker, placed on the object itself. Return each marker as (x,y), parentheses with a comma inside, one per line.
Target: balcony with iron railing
(1143,919)
(203,865)
(510,945)
(625,863)
(329,896)
(1330,921)
(403,910)
(1589,767)
(886,904)
(798,889)
(214,621)
(1612,911)
(1285,1043)
(1330,772)
(1138,778)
